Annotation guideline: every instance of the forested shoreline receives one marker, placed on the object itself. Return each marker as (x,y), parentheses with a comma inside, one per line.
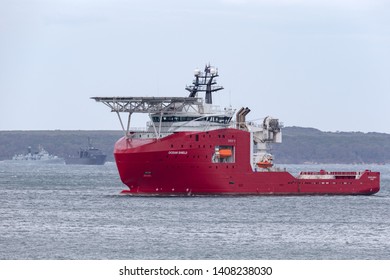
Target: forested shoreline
(300,145)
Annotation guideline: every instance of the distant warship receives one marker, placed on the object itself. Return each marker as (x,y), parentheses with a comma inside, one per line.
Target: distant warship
(88,156)
(41,156)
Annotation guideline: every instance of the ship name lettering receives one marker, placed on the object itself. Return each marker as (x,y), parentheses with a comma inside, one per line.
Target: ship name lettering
(177,152)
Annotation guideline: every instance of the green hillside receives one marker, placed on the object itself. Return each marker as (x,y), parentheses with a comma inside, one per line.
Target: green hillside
(300,145)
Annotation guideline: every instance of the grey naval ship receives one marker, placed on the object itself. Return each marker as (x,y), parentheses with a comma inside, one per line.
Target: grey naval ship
(87,156)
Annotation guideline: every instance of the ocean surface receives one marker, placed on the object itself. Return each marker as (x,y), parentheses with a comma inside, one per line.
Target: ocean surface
(76,212)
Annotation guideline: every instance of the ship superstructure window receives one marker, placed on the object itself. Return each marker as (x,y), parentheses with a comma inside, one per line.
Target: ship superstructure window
(214,119)
(223,154)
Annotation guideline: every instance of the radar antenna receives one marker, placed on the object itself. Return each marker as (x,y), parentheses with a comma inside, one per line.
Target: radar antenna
(204,82)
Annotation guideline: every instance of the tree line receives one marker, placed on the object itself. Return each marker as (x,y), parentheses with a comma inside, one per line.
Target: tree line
(300,145)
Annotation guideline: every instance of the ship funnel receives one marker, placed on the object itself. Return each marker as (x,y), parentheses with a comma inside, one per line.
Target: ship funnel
(240,118)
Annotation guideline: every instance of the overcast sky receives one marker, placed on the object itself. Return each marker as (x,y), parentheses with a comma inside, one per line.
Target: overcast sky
(311,63)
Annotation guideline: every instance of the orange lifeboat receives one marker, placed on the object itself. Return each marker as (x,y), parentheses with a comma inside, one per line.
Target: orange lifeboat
(224,153)
(264,164)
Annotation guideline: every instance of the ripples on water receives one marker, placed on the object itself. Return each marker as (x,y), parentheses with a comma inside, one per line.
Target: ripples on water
(76,212)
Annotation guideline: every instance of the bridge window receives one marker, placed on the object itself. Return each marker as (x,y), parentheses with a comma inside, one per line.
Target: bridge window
(214,119)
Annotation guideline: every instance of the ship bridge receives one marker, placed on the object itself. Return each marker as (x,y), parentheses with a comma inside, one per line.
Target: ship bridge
(172,114)
(168,113)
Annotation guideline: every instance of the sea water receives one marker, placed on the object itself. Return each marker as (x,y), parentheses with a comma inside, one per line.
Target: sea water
(76,212)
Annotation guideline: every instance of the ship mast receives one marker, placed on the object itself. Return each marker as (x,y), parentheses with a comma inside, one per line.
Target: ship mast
(204,82)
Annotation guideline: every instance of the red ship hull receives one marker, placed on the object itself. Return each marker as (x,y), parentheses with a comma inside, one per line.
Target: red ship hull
(182,164)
